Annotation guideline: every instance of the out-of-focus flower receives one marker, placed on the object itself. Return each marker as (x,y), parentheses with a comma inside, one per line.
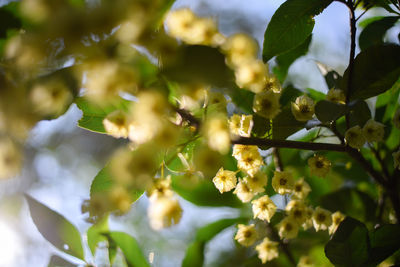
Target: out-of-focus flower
(303,108)
(297,210)
(354,137)
(164,212)
(257,182)
(301,189)
(305,261)
(266,104)
(319,165)
(250,162)
(10,158)
(116,124)
(240,48)
(283,182)
(373,131)
(216,131)
(252,75)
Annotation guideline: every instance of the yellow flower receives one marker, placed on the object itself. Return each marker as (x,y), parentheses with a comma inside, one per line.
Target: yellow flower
(160,187)
(305,261)
(309,222)
(257,183)
(216,131)
(164,212)
(354,137)
(179,22)
(246,235)
(116,124)
(303,108)
(297,210)
(241,125)
(288,228)
(396,119)
(251,75)
(216,100)
(250,162)
(283,182)
(272,84)
(240,48)
(301,189)
(225,180)
(373,131)
(319,165)
(267,250)
(337,218)
(266,104)
(239,150)
(396,159)
(322,219)
(243,192)
(336,95)
(10,158)
(263,208)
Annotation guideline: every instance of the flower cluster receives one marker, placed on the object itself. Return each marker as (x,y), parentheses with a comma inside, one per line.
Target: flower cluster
(372,131)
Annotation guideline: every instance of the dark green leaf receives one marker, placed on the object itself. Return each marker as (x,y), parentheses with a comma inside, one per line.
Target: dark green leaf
(359,113)
(8,20)
(203,193)
(56,261)
(194,256)
(385,240)
(56,229)
(352,202)
(327,111)
(242,98)
(285,124)
(130,248)
(374,32)
(376,70)
(95,234)
(201,64)
(103,182)
(93,115)
(349,245)
(284,61)
(261,126)
(331,76)
(208,232)
(291,25)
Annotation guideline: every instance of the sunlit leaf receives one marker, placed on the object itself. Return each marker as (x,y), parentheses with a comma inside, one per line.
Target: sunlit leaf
(56,229)
(291,25)
(130,248)
(95,234)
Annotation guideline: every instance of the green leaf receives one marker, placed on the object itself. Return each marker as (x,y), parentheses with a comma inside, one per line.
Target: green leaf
(376,70)
(194,256)
(8,20)
(95,234)
(349,246)
(208,232)
(285,124)
(385,241)
(242,98)
(56,229)
(327,111)
(352,202)
(291,25)
(203,193)
(315,94)
(261,126)
(359,113)
(201,64)
(289,94)
(374,32)
(93,115)
(103,182)
(284,61)
(130,248)
(56,261)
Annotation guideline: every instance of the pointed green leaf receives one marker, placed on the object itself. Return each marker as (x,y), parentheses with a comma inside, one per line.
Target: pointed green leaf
(130,248)
(349,246)
(284,61)
(290,26)
(376,70)
(95,234)
(56,229)
(374,32)
(385,240)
